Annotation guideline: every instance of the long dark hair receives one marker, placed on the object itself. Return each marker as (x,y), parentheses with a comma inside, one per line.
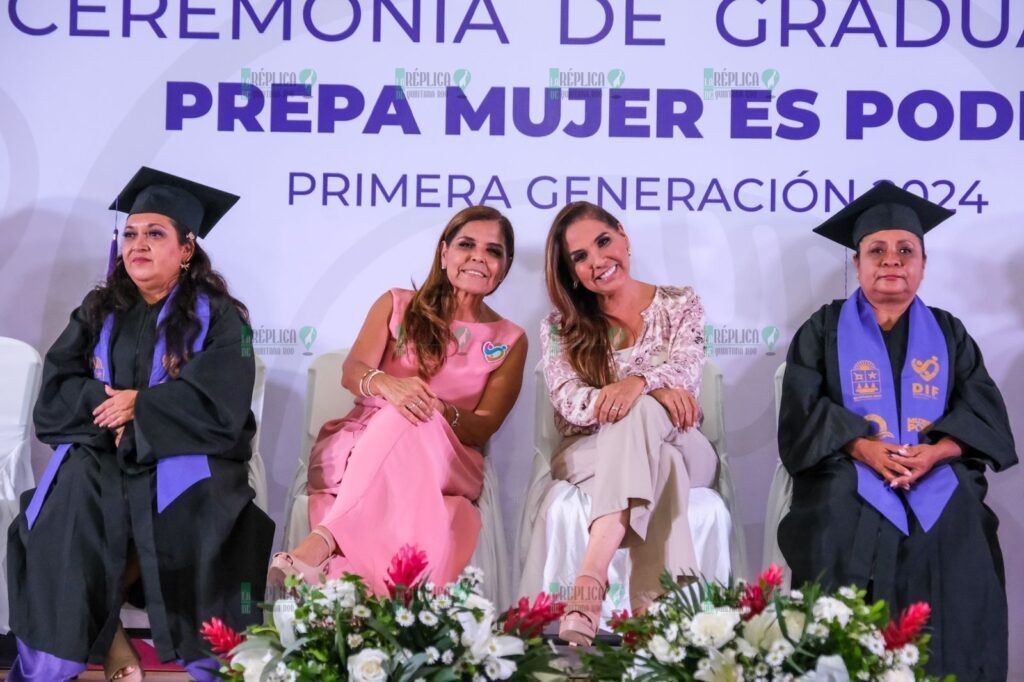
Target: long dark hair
(181,326)
(584,331)
(428,318)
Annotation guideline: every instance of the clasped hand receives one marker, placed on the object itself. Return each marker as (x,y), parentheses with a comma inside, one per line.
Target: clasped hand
(900,465)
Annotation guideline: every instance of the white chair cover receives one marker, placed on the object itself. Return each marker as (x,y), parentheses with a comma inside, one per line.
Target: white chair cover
(560,544)
(780,496)
(325,400)
(21,369)
(257,470)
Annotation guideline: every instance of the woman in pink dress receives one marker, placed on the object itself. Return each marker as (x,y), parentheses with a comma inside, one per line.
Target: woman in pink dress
(435,372)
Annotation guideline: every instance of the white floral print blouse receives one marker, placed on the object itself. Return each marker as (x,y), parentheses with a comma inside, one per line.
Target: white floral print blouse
(668,353)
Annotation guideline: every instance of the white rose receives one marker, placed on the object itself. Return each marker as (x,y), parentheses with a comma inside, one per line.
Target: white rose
(284,620)
(712,630)
(901,674)
(253,661)
(796,595)
(368,666)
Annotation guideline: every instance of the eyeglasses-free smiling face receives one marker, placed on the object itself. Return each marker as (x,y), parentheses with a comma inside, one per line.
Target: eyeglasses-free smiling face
(890,266)
(598,255)
(477,258)
(152,250)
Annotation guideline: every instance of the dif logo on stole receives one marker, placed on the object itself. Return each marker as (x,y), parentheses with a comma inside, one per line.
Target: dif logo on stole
(927,370)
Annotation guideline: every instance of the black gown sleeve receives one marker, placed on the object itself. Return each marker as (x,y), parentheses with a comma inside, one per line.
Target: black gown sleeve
(68,392)
(812,426)
(976,415)
(206,408)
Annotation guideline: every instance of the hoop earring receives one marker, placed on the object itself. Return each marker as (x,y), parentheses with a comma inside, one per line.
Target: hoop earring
(575,284)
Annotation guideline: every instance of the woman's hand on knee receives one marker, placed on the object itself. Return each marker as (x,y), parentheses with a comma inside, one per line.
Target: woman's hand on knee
(683,409)
(614,401)
(411,396)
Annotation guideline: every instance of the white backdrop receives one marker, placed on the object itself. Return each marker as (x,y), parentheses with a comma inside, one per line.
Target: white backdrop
(79,113)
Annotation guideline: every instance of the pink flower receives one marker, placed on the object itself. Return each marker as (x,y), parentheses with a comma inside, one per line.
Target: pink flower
(222,639)
(772,576)
(909,626)
(406,568)
(529,621)
(756,595)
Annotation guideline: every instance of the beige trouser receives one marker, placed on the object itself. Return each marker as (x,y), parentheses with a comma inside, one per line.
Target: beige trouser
(644,464)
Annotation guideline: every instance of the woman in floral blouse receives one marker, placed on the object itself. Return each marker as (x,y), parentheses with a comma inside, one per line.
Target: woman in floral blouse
(623,362)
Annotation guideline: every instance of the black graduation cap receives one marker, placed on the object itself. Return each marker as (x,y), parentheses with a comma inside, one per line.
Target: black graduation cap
(883,207)
(195,207)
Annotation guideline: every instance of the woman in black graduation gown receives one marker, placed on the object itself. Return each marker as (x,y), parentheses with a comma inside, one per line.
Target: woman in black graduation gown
(146,397)
(887,423)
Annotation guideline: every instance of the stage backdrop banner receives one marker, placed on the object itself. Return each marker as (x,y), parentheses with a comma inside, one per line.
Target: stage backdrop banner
(719,133)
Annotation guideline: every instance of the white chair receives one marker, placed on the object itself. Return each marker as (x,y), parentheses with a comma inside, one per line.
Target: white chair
(21,369)
(780,496)
(257,470)
(715,522)
(136,619)
(326,400)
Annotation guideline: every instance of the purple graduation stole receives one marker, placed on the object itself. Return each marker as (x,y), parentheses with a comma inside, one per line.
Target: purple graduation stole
(868,390)
(174,475)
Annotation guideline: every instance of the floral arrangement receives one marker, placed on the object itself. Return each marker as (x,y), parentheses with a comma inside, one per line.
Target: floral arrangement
(716,633)
(338,630)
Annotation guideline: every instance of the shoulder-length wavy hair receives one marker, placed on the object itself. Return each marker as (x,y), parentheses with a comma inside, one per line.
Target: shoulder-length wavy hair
(181,325)
(584,330)
(427,320)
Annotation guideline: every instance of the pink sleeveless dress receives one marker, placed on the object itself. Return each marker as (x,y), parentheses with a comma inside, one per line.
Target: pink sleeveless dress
(378,482)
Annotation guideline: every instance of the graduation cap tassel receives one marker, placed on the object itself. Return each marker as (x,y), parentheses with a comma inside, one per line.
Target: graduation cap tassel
(112,255)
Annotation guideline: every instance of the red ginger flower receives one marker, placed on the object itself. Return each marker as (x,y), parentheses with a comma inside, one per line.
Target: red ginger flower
(222,639)
(406,567)
(756,595)
(529,621)
(909,626)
